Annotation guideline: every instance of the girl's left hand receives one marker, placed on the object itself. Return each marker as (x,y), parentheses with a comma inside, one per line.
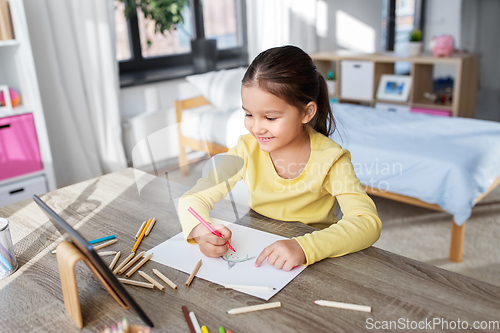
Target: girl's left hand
(283,254)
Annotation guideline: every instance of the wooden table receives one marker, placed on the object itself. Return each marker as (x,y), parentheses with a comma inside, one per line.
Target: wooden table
(397,288)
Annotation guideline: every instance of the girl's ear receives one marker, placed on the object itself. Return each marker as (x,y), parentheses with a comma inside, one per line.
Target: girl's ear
(310,112)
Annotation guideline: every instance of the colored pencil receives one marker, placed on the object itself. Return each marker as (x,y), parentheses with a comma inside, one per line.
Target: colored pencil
(141,236)
(208,226)
(5,263)
(102,239)
(222,330)
(139,265)
(125,325)
(251,308)
(140,229)
(115,260)
(165,279)
(191,277)
(133,261)
(123,263)
(204,329)
(347,306)
(151,280)
(136,283)
(248,287)
(196,324)
(153,221)
(108,243)
(107,253)
(188,319)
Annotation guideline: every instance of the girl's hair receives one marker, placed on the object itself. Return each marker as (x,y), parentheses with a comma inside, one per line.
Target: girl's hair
(290,74)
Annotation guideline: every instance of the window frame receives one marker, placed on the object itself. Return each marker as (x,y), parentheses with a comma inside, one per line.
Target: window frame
(139,70)
(391,21)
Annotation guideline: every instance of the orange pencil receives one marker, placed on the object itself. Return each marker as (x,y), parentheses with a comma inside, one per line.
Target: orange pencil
(141,236)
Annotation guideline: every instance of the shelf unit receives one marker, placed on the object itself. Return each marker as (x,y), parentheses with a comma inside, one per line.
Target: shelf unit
(464,86)
(17,70)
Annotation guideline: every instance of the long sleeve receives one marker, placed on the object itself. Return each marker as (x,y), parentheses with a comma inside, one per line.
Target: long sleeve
(211,189)
(360,225)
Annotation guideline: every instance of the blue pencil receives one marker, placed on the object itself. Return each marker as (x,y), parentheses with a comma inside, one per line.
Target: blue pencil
(5,262)
(98,240)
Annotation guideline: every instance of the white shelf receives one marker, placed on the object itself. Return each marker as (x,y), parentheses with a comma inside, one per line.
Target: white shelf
(22,177)
(20,109)
(11,42)
(17,70)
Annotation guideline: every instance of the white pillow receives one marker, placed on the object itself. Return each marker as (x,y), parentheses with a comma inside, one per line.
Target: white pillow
(221,88)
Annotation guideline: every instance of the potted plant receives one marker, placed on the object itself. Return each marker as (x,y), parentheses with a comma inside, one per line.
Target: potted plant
(415,43)
(330,78)
(167,14)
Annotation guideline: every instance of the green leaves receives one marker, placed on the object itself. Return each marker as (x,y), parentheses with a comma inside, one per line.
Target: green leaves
(165,13)
(415,36)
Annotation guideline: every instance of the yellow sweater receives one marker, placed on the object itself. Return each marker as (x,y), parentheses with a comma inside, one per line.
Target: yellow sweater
(310,198)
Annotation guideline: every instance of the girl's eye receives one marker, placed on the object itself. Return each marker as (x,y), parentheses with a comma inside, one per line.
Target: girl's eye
(248,115)
(271,119)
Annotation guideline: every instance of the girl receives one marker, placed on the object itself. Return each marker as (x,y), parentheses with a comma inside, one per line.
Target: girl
(293,171)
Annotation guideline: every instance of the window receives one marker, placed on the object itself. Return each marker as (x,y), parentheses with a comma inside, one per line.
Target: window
(399,17)
(169,55)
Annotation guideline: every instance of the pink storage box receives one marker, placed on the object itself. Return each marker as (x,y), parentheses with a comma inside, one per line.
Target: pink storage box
(441,113)
(19,152)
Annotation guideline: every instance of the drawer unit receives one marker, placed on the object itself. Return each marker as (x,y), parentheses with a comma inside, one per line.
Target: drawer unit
(356,79)
(21,190)
(393,107)
(433,112)
(19,151)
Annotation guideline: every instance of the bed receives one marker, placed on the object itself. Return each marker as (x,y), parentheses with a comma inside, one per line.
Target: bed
(440,163)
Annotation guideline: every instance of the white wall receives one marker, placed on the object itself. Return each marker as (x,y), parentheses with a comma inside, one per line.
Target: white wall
(443,17)
(353,25)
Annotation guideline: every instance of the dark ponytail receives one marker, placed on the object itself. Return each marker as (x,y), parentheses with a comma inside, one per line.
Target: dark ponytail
(290,74)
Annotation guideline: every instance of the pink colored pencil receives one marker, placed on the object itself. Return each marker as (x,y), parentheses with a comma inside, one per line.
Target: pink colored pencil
(209,227)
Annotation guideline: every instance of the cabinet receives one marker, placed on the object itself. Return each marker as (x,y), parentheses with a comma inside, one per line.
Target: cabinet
(464,87)
(26,166)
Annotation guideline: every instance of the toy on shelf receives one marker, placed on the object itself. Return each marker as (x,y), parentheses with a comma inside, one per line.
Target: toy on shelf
(442,46)
(14,97)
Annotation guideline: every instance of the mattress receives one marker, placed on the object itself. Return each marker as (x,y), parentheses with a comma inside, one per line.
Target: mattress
(439,160)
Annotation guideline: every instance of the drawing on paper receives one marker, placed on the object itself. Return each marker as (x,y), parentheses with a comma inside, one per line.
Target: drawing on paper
(232,259)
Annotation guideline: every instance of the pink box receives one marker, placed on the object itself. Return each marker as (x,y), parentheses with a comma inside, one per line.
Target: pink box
(19,152)
(441,113)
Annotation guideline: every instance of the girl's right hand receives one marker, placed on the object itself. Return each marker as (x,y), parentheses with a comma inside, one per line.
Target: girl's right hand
(211,245)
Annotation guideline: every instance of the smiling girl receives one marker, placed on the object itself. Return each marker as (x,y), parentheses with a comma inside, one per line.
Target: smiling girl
(293,171)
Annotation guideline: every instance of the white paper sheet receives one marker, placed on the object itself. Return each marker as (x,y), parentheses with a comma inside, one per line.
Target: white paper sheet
(236,267)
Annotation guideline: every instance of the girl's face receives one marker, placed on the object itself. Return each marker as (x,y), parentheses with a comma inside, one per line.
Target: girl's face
(272,121)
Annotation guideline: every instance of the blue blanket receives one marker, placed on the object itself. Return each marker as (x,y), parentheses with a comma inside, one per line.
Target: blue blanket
(439,160)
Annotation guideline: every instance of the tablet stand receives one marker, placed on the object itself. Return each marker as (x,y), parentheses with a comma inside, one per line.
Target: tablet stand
(67,257)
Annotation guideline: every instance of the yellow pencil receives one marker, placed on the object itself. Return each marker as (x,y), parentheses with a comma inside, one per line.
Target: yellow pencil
(204,329)
(141,236)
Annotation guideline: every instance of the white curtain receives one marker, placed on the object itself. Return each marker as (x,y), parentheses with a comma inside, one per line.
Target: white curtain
(280,22)
(74,49)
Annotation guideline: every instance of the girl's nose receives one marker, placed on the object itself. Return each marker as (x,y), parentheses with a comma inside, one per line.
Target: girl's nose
(258,127)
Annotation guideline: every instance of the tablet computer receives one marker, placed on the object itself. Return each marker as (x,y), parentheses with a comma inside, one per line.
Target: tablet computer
(83,245)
